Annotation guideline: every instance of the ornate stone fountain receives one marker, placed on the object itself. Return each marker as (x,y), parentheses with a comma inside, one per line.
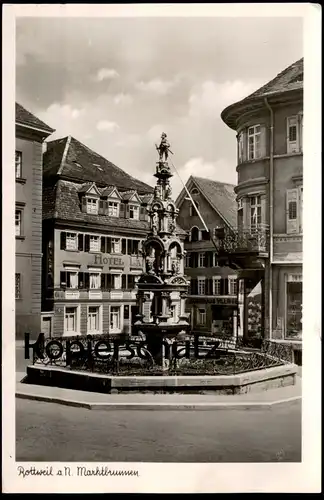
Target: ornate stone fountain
(162,287)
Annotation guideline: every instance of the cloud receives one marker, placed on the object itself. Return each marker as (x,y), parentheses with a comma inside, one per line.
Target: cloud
(106,74)
(209,98)
(157,86)
(220,170)
(130,141)
(123,99)
(65,111)
(107,126)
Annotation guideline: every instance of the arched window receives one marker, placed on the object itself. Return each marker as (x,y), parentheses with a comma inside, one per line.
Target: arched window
(194,191)
(195,234)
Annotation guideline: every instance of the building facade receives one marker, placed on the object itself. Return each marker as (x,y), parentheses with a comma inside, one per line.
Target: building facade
(269,128)
(94,221)
(213,297)
(30,134)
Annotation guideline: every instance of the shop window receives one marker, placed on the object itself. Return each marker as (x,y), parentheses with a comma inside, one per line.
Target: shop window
(294,310)
(115,319)
(93,319)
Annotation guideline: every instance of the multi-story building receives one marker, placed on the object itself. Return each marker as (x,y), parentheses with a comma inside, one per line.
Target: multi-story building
(30,134)
(269,127)
(94,220)
(213,295)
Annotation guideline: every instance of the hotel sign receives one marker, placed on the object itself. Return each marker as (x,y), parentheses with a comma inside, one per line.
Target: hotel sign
(219,301)
(99,260)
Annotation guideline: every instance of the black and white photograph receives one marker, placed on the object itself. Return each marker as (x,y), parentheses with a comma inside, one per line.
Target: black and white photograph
(162,307)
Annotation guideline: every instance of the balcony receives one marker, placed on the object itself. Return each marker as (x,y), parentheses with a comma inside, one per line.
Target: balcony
(60,294)
(254,241)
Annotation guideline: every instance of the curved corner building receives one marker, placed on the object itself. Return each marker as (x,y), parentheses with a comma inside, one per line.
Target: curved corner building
(268,248)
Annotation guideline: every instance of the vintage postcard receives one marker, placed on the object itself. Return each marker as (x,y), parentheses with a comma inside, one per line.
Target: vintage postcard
(161,248)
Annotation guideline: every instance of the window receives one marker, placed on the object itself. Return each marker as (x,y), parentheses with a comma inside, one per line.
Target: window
(188,260)
(193,210)
(94,280)
(201,285)
(115,245)
(215,261)
(216,285)
(93,319)
(232,285)
(201,316)
(18,218)
(201,259)
(294,296)
(92,206)
(113,209)
(17,286)
(114,319)
(117,281)
(133,212)
(254,142)
(72,279)
(70,320)
(71,241)
(240,144)
(294,210)
(94,244)
(255,211)
(195,234)
(294,133)
(18,163)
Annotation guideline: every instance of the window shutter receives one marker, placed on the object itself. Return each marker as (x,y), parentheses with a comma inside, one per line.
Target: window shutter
(103,244)
(226,287)
(62,278)
(101,207)
(292,134)
(195,259)
(263,141)
(263,209)
(63,240)
(86,243)
(84,204)
(126,211)
(108,245)
(108,280)
(210,286)
(105,207)
(123,246)
(129,247)
(191,259)
(80,280)
(292,211)
(244,139)
(222,286)
(301,209)
(122,210)
(103,279)
(124,285)
(80,242)
(142,213)
(86,280)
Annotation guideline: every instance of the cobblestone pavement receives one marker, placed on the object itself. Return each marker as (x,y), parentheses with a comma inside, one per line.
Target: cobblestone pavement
(47,432)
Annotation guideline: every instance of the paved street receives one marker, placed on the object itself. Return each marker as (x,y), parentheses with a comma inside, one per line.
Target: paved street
(50,432)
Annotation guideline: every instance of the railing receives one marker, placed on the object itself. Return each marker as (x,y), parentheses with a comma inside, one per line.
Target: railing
(124,355)
(244,240)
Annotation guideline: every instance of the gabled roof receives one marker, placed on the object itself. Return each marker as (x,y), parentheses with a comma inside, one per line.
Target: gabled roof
(26,118)
(89,186)
(220,196)
(130,195)
(290,79)
(70,159)
(146,198)
(109,191)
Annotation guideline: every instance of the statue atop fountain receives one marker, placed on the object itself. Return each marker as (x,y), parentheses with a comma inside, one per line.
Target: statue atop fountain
(162,287)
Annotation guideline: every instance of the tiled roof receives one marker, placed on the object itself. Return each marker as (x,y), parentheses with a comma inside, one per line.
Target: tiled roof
(146,198)
(63,202)
(127,195)
(71,159)
(24,117)
(291,78)
(221,197)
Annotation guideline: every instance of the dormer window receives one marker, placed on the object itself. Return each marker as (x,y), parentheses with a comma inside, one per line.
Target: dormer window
(113,209)
(92,206)
(134,212)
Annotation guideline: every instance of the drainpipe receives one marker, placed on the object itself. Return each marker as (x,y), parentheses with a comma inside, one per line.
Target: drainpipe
(271,186)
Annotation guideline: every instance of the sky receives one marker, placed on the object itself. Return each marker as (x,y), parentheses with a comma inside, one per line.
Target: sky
(116,84)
